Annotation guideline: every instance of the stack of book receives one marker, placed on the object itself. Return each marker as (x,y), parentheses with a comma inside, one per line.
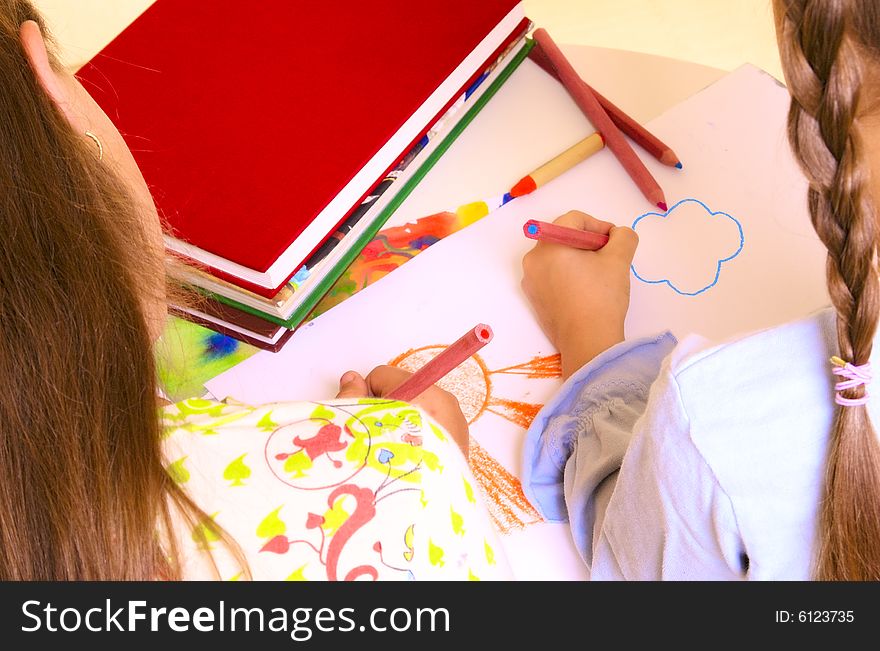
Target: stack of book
(277,143)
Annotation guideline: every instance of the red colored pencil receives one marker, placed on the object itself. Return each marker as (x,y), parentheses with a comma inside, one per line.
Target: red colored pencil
(596,114)
(639,134)
(453,356)
(546,232)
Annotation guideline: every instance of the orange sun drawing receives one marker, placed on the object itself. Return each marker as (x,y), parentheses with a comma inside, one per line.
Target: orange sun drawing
(471,383)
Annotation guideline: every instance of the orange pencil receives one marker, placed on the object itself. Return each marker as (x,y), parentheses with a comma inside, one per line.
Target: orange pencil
(588,103)
(546,232)
(453,356)
(639,134)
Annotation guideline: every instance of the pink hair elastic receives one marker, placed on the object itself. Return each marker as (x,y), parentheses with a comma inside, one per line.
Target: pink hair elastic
(856,376)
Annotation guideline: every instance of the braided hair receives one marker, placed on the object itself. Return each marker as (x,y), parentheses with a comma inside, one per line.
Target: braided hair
(825,47)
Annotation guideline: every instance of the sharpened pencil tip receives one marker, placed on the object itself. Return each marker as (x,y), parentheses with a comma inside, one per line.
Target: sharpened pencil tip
(679,165)
(662,206)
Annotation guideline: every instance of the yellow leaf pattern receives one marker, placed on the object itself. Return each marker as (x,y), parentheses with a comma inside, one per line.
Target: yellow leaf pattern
(272,525)
(205,533)
(237,471)
(469,491)
(435,554)
(335,517)
(490,553)
(297,575)
(233,458)
(178,471)
(457,522)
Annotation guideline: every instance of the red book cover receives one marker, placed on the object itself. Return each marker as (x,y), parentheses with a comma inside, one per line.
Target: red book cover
(259,126)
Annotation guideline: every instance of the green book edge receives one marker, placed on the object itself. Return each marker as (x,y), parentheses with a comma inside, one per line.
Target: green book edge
(303,310)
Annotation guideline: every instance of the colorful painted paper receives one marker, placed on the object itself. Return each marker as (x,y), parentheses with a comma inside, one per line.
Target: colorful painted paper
(396,245)
(188,355)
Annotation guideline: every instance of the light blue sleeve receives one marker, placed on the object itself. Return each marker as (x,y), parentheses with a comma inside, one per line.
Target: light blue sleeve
(668,517)
(578,440)
(612,454)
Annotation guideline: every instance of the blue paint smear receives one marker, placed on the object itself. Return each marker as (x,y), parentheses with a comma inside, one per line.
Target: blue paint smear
(219,345)
(423,242)
(720,262)
(533,229)
(507,197)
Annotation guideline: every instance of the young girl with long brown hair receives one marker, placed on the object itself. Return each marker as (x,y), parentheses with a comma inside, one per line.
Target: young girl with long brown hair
(757,458)
(96,482)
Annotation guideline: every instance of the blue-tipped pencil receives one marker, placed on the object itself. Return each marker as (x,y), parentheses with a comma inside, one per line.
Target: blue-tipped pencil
(546,232)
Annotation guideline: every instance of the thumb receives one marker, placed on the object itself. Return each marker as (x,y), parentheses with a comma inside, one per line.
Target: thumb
(622,243)
(382,380)
(352,385)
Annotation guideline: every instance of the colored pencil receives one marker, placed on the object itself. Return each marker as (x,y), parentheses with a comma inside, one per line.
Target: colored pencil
(639,134)
(546,232)
(558,165)
(590,106)
(472,341)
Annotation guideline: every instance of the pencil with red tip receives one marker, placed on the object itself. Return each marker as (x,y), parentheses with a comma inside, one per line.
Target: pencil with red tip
(590,106)
(639,134)
(472,341)
(562,163)
(547,232)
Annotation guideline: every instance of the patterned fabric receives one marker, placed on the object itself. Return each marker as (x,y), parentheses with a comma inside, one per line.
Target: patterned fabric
(338,490)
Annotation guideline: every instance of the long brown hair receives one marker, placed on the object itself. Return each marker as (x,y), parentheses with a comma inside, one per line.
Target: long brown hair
(825,46)
(83,490)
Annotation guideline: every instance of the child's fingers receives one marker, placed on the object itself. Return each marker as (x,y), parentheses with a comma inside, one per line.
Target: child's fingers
(584,222)
(382,380)
(622,243)
(352,385)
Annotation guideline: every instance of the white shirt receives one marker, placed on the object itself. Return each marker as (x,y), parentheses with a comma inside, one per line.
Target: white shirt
(723,452)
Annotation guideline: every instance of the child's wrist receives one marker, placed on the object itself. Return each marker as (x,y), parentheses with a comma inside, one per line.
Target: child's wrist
(576,351)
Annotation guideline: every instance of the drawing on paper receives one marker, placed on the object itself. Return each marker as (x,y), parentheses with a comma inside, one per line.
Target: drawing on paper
(508,506)
(667,254)
(471,383)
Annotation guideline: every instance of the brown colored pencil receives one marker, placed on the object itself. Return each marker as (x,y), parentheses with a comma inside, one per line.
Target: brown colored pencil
(639,134)
(590,106)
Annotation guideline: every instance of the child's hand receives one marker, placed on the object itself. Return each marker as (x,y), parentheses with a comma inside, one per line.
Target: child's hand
(581,297)
(441,405)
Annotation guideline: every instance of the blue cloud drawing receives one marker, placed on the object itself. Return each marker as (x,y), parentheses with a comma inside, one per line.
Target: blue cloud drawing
(679,285)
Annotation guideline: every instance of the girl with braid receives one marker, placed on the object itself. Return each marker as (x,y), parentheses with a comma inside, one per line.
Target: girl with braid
(757,458)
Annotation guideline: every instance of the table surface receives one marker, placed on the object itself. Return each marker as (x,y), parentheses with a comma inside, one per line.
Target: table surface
(486,159)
